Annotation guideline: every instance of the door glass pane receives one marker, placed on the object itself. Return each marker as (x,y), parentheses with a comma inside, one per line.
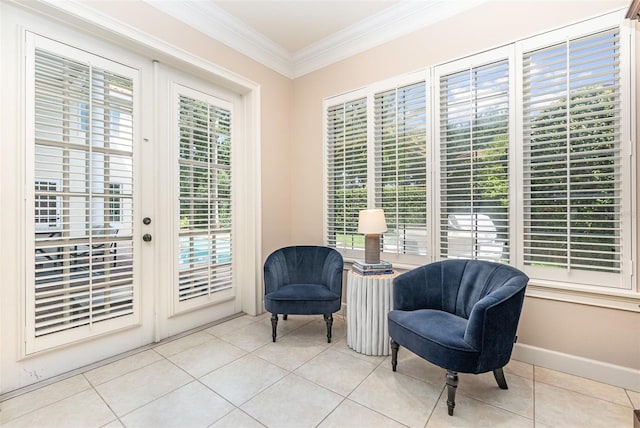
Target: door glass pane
(204,239)
(83,233)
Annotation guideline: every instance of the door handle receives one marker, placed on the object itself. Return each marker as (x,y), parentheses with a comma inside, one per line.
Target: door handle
(146,220)
(146,237)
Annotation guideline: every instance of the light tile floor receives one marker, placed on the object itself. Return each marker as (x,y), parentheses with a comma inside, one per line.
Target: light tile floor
(232,375)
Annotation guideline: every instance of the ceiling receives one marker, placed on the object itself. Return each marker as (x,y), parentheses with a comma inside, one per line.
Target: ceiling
(294,25)
(296,37)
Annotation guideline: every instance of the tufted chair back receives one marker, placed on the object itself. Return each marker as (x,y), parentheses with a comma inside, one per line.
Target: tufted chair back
(303,264)
(454,286)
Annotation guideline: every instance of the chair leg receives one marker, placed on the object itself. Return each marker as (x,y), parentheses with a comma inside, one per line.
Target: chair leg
(274,325)
(328,318)
(285,316)
(452,385)
(500,379)
(394,353)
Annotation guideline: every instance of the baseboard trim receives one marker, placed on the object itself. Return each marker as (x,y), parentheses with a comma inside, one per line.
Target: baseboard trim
(612,374)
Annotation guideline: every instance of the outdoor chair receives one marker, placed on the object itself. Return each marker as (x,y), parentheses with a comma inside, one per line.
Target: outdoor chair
(101,254)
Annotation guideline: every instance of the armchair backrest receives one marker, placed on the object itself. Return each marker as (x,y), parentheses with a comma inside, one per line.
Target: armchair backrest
(304,264)
(454,285)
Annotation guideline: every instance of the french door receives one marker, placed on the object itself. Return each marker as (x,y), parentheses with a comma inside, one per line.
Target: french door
(130,239)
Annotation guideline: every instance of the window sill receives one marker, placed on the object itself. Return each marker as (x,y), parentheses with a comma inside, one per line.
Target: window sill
(624,300)
(603,297)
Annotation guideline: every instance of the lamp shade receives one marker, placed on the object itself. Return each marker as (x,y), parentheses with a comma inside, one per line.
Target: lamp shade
(371,221)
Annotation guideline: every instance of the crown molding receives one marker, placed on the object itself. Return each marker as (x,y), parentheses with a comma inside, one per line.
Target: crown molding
(82,13)
(220,25)
(389,24)
(383,27)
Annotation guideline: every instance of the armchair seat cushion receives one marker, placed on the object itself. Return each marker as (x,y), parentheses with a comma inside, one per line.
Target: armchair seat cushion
(436,336)
(302,299)
(315,292)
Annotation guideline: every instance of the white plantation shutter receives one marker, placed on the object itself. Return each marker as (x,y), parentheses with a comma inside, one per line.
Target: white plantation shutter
(573,194)
(204,242)
(533,154)
(474,162)
(401,167)
(346,151)
(82,148)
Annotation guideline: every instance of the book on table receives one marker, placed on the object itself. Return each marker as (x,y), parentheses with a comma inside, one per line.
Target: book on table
(363,268)
(372,272)
(360,264)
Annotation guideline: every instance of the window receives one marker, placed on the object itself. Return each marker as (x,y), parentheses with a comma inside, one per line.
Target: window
(401,167)
(575,177)
(474,139)
(114,202)
(204,162)
(347,172)
(532,161)
(376,157)
(47,215)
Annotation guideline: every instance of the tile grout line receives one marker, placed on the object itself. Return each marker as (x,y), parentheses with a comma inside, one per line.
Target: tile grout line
(587,395)
(435,406)
(162,357)
(104,401)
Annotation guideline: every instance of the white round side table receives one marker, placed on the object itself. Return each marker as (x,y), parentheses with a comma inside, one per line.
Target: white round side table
(369,300)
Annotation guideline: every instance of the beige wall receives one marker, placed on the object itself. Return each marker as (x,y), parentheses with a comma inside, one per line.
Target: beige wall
(601,334)
(595,333)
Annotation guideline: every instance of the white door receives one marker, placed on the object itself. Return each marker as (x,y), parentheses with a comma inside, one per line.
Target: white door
(197,154)
(86,266)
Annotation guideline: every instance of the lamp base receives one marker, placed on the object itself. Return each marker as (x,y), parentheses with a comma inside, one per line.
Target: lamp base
(372,248)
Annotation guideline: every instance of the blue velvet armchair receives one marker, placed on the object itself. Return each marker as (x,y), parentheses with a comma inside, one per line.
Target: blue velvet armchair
(461,315)
(303,280)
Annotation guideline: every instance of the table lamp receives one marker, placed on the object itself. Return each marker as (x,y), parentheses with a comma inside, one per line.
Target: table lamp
(372,224)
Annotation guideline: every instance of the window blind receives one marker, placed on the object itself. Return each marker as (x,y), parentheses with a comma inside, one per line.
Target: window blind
(572,156)
(204,248)
(346,172)
(474,169)
(83,122)
(401,167)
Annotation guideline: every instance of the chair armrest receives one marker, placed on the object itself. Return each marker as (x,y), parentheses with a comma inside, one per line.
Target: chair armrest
(333,271)
(493,323)
(276,273)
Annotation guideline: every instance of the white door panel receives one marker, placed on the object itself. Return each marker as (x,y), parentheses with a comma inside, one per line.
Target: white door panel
(197,150)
